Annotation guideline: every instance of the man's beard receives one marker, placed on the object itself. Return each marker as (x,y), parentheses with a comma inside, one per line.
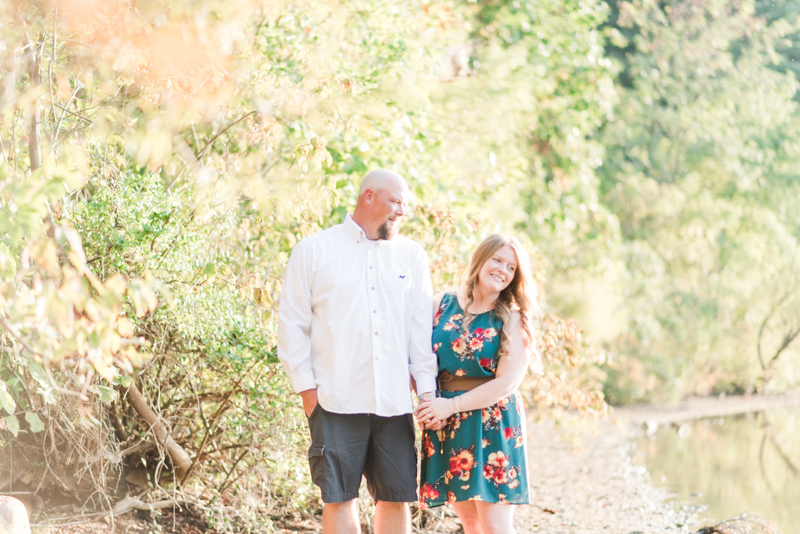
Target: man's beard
(387,232)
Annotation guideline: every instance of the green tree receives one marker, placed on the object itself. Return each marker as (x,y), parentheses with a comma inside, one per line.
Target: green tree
(185,149)
(699,171)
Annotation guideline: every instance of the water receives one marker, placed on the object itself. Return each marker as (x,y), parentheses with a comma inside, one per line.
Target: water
(744,463)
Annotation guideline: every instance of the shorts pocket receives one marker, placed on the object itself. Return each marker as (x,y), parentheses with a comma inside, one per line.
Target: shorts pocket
(316,461)
(314,412)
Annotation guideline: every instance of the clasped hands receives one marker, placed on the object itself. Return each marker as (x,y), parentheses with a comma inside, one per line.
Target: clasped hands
(432,414)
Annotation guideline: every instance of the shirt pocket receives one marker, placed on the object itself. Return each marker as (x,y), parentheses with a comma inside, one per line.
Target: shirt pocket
(401,283)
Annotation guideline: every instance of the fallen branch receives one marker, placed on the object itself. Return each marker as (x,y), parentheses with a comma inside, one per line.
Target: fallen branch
(132,503)
(122,507)
(180,458)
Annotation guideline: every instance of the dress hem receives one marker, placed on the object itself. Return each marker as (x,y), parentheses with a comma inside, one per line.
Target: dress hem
(438,504)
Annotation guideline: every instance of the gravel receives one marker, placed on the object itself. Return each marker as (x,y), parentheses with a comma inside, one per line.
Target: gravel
(584,479)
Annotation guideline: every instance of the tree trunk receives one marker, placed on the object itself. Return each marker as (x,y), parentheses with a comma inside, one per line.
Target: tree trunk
(35,81)
(35,119)
(180,458)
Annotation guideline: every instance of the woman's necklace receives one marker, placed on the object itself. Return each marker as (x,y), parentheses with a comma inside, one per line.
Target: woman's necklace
(488,308)
(491,307)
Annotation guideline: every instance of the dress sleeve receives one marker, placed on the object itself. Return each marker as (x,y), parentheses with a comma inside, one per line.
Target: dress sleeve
(421,359)
(294,321)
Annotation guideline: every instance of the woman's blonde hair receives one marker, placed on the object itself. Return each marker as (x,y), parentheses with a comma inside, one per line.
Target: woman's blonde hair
(520,295)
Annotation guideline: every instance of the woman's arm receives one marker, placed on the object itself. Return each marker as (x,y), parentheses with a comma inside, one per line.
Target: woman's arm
(510,373)
(437,301)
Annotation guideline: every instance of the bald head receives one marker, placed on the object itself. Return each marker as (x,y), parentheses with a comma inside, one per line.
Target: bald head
(382,201)
(382,179)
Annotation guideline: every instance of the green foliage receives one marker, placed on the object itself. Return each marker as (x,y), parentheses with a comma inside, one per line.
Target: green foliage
(152,240)
(700,163)
(644,152)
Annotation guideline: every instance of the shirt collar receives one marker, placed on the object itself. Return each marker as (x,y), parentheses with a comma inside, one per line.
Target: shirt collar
(354,230)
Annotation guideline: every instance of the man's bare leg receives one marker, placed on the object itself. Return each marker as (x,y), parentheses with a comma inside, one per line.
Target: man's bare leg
(341,518)
(392,518)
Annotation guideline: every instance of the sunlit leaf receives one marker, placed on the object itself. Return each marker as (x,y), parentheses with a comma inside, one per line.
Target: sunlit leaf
(12,424)
(8,265)
(34,422)
(125,327)
(45,388)
(6,400)
(107,394)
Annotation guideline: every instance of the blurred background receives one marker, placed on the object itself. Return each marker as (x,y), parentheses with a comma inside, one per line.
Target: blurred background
(159,160)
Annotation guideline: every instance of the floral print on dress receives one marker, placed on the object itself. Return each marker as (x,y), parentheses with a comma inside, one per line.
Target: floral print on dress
(500,472)
(437,317)
(478,455)
(428,492)
(492,417)
(467,345)
(428,449)
(462,461)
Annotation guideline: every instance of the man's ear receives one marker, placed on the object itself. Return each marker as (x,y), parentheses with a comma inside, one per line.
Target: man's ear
(369,196)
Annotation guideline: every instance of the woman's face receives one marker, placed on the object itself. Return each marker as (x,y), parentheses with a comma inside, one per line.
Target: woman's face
(498,271)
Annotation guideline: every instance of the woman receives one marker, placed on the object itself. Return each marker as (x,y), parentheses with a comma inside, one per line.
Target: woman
(473,445)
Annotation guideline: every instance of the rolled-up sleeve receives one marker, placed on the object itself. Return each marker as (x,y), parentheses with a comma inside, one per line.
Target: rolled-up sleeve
(294,321)
(421,359)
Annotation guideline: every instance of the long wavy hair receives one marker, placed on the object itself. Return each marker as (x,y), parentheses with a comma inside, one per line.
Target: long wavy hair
(520,295)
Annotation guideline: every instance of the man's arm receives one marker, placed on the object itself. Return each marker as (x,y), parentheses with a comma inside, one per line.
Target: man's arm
(422,361)
(294,327)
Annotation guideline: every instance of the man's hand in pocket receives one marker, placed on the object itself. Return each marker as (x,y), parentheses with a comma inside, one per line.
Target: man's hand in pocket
(309,400)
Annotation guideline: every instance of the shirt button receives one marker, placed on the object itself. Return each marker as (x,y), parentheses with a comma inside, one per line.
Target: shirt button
(376,333)
(370,266)
(373,289)
(374,311)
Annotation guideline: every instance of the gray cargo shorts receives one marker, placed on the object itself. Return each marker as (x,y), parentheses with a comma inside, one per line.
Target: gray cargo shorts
(346,446)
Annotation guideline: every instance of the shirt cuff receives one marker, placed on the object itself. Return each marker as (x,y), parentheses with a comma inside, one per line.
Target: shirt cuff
(425,384)
(304,381)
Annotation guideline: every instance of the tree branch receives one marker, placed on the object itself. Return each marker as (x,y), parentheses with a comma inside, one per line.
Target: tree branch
(787,340)
(231,125)
(763,327)
(180,458)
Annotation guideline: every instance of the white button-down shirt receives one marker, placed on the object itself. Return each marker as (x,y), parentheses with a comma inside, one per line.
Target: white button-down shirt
(355,321)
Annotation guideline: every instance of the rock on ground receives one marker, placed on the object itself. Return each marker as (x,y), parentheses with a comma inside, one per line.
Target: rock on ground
(13,516)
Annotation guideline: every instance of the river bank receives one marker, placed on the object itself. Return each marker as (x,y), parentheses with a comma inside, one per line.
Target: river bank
(588,481)
(594,481)
(703,407)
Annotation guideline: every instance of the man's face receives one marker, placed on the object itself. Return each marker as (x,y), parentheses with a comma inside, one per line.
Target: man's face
(390,207)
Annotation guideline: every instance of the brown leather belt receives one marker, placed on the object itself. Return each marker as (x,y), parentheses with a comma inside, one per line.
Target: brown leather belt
(450,382)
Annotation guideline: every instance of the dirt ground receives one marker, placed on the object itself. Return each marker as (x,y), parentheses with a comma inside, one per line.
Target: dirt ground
(588,481)
(584,479)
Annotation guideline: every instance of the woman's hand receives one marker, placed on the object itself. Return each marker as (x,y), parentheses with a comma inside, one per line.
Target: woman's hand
(432,412)
(438,426)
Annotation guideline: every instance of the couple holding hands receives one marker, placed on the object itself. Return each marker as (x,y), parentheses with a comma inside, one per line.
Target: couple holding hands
(359,328)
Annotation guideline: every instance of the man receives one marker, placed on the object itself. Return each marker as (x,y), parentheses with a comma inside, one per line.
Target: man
(354,327)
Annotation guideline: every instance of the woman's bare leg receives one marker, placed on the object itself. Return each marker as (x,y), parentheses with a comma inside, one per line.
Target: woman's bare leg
(495,518)
(468,514)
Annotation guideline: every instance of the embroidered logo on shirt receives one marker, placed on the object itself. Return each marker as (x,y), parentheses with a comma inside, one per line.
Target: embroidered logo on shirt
(402,276)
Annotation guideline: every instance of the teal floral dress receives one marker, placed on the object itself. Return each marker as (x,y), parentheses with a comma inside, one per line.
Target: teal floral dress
(478,455)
